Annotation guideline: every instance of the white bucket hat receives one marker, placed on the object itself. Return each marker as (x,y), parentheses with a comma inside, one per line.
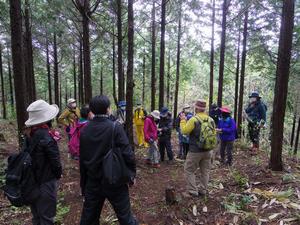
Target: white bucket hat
(40,112)
(70,101)
(156,114)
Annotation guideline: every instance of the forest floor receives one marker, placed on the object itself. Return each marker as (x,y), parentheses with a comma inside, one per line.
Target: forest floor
(247,193)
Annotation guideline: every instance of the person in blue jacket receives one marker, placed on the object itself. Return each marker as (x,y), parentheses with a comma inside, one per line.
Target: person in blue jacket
(227,132)
(256,117)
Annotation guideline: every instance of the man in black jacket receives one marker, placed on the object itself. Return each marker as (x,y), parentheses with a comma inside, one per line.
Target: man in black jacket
(45,160)
(165,131)
(95,142)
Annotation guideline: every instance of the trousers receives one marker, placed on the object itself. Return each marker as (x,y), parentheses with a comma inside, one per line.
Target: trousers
(165,144)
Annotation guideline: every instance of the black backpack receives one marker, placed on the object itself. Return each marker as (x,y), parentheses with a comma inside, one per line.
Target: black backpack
(20,186)
(115,170)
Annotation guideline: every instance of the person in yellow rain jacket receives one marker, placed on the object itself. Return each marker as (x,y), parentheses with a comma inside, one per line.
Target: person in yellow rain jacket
(138,119)
(69,116)
(198,157)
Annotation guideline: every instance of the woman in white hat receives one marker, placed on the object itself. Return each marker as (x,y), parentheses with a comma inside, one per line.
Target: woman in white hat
(69,116)
(45,160)
(150,133)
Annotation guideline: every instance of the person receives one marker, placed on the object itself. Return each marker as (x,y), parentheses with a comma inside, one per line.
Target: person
(186,139)
(150,133)
(256,117)
(69,116)
(95,142)
(164,137)
(121,113)
(45,160)
(138,119)
(197,157)
(182,140)
(228,131)
(75,132)
(215,113)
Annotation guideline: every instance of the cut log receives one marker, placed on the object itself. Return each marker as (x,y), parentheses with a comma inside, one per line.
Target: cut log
(170,196)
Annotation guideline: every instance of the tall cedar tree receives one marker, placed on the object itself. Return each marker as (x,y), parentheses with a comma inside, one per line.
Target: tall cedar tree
(28,56)
(10,82)
(74,75)
(237,72)
(297,138)
(114,67)
(83,6)
(153,57)
(144,78)
(212,56)
(281,84)
(293,129)
(55,72)
(48,70)
(242,78)
(121,79)
(177,63)
(18,62)
(3,97)
(130,83)
(162,55)
(222,54)
(80,75)
(168,78)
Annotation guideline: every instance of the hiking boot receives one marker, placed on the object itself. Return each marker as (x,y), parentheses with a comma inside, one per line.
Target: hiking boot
(156,165)
(148,161)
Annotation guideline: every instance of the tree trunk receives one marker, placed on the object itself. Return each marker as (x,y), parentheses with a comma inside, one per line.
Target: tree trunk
(114,68)
(55,71)
(293,129)
(236,93)
(242,78)
(101,79)
(3,96)
(81,87)
(144,78)
(48,70)
(74,76)
(281,84)
(10,83)
(130,83)
(168,78)
(121,91)
(29,56)
(153,59)
(212,56)
(297,138)
(18,63)
(177,64)
(222,54)
(86,54)
(162,55)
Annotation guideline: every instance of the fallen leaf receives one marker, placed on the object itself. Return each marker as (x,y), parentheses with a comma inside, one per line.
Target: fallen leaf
(290,219)
(221,186)
(274,216)
(195,210)
(235,219)
(263,220)
(256,183)
(272,201)
(264,205)
(281,222)
(204,209)
(294,205)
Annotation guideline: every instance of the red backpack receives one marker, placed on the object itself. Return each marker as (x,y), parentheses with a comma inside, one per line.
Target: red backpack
(75,139)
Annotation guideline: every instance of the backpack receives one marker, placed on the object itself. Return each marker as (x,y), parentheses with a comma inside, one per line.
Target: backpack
(20,186)
(75,139)
(208,137)
(115,170)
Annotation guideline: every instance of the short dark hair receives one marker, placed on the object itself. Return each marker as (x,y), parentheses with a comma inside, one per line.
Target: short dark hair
(99,104)
(84,111)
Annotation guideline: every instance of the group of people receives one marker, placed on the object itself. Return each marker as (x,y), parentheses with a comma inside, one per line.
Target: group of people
(95,128)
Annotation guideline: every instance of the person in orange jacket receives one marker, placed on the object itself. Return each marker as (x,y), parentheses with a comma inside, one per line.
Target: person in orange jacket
(138,120)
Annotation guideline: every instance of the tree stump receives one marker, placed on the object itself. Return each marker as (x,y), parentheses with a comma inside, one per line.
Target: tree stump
(170,196)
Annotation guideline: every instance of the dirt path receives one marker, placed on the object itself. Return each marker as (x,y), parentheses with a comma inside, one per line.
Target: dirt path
(247,194)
